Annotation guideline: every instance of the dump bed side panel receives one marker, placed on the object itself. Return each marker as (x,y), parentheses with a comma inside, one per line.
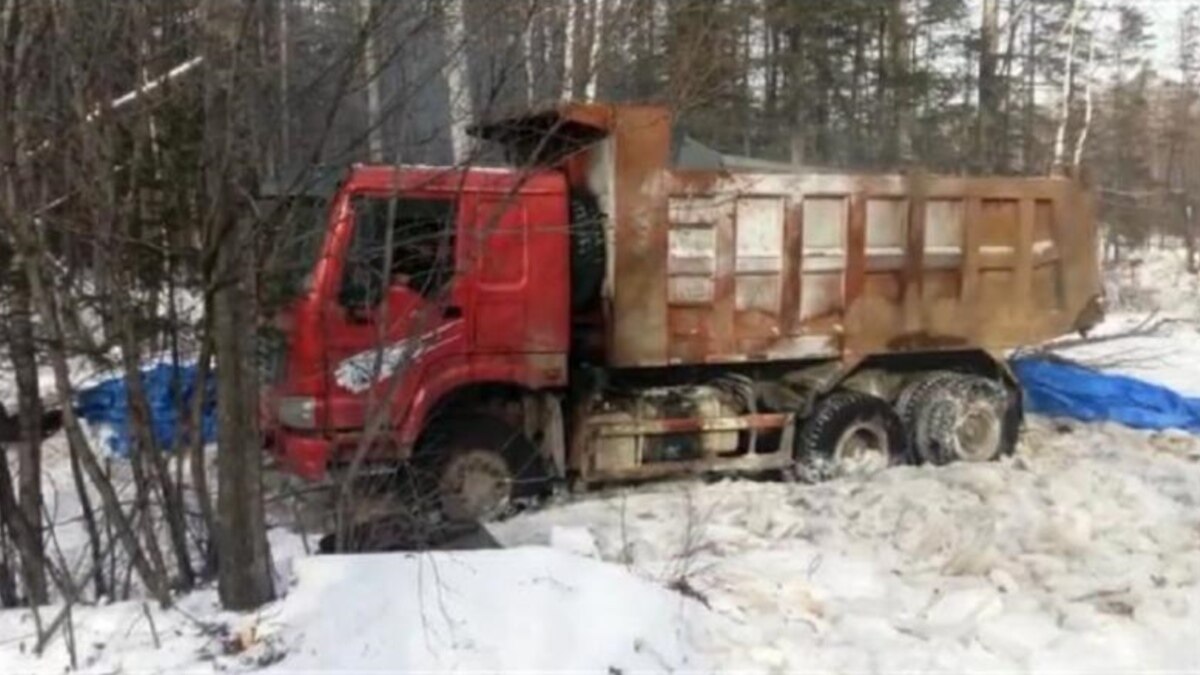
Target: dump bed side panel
(713,266)
(768,266)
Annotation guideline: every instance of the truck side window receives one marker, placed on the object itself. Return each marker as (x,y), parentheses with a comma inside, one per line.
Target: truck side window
(422,247)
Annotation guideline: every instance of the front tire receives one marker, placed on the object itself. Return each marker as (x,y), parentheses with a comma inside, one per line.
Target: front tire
(481,466)
(850,434)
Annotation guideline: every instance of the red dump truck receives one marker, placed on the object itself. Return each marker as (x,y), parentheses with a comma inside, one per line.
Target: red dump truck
(593,313)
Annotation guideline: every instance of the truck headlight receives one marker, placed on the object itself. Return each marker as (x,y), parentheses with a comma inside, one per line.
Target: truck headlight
(298,412)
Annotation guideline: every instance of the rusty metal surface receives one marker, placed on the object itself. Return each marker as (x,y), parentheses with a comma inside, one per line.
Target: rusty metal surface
(777,460)
(598,459)
(882,264)
(717,267)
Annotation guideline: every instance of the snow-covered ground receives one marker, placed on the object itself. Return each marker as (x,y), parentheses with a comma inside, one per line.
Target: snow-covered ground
(1079,554)
(1151,291)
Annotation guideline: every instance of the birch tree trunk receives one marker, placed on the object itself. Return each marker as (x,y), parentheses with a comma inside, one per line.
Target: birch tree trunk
(901,70)
(458,80)
(989,91)
(568,76)
(1081,141)
(599,15)
(285,117)
(1060,138)
(527,44)
(1027,133)
(370,63)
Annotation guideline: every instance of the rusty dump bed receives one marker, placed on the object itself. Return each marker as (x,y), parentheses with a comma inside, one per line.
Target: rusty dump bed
(720,267)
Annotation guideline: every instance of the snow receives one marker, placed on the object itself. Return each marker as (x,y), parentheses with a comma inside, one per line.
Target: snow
(1079,554)
(1151,288)
(523,609)
(1154,280)
(1015,565)
(1170,356)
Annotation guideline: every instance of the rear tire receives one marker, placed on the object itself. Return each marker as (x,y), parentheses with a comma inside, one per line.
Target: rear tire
(480,466)
(967,418)
(850,434)
(912,404)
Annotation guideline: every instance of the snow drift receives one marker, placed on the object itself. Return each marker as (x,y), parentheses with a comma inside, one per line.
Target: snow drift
(526,609)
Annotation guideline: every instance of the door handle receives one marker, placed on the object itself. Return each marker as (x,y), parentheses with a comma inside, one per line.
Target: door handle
(452,312)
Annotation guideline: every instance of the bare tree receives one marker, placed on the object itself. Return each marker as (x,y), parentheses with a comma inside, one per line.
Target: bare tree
(230,94)
(21,351)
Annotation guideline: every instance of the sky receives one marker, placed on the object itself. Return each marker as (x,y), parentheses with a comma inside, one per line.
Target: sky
(1164,14)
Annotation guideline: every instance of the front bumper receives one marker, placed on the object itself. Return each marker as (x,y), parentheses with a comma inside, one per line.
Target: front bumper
(302,455)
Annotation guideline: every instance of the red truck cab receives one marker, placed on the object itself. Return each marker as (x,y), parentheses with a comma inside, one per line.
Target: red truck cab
(428,281)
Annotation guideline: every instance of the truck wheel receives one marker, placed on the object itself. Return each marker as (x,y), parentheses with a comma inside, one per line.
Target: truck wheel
(968,418)
(588,249)
(850,433)
(913,399)
(482,465)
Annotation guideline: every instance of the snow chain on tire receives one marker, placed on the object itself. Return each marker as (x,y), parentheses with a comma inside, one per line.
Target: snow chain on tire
(914,398)
(833,419)
(966,418)
(588,249)
(912,406)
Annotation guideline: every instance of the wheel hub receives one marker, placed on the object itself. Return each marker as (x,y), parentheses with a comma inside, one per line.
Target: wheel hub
(861,450)
(978,431)
(475,485)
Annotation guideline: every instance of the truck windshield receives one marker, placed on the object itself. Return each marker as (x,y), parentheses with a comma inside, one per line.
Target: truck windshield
(422,246)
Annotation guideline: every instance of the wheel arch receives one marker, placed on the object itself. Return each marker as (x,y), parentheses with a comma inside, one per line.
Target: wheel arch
(483,396)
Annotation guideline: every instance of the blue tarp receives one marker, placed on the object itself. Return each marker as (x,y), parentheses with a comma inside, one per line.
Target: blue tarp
(1063,389)
(107,405)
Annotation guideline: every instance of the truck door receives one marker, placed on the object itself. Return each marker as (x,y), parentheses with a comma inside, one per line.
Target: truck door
(395,315)
(520,279)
